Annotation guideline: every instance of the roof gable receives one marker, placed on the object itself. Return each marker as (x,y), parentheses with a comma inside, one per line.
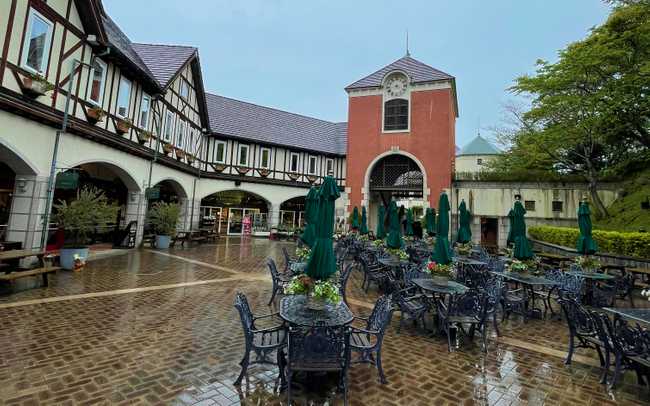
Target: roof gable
(164,61)
(255,123)
(417,71)
(479,146)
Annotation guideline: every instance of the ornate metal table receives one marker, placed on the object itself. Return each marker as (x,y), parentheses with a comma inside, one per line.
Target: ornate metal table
(473,264)
(294,310)
(529,282)
(451,288)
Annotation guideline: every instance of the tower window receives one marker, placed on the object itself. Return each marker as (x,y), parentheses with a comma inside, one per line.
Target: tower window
(396,115)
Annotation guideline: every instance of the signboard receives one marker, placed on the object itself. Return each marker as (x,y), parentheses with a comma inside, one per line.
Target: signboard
(67,180)
(152,193)
(247,225)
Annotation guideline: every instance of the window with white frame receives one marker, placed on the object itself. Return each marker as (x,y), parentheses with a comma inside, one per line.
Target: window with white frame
(124,97)
(180,134)
(169,126)
(185,89)
(36,48)
(145,106)
(294,161)
(329,167)
(190,140)
(311,168)
(242,156)
(220,152)
(97,81)
(265,158)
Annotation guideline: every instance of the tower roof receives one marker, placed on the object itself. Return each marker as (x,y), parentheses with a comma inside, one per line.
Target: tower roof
(417,71)
(479,146)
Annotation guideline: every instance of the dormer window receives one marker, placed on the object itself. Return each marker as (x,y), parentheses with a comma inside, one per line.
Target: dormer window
(396,102)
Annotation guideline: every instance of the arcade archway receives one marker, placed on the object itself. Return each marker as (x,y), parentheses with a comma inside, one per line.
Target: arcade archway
(235,212)
(292,213)
(395,177)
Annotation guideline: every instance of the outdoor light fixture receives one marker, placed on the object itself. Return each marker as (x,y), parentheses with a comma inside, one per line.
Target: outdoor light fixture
(21,185)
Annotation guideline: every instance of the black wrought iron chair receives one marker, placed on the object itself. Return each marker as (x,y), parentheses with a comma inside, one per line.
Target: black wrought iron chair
(572,286)
(494,290)
(319,349)
(606,293)
(514,301)
(373,271)
(367,341)
(288,260)
(279,280)
(261,341)
(581,328)
(469,308)
(344,276)
(603,328)
(548,294)
(630,350)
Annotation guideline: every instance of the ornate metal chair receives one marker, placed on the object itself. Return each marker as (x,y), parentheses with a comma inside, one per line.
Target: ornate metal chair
(548,294)
(373,271)
(279,280)
(318,349)
(288,260)
(514,301)
(469,308)
(581,328)
(494,291)
(344,275)
(262,341)
(367,340)
(631,349)
(407,297)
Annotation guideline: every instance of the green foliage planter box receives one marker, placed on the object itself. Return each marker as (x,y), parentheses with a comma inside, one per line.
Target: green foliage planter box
(613,242)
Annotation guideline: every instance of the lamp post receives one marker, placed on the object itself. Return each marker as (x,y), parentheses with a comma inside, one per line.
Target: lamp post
(64,126)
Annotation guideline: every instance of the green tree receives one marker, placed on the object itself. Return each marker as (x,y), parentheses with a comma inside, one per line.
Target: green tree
(590,109)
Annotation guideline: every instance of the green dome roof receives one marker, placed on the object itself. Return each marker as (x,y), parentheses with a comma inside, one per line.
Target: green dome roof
(479,146)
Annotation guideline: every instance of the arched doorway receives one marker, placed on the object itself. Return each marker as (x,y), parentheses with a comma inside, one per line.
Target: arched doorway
(168,191)
(7,182)
(235,212)
(292,213)
(114,182)
(396,177)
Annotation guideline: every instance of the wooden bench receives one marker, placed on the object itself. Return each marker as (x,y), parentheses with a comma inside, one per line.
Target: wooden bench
(31,272)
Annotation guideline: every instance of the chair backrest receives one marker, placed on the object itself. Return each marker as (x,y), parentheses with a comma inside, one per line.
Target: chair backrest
(571,286)
(494,290)
(343,279)
(381,315)
(414,272)
(469,304)
(245,314)
(275,275)
(578,318)
(603,327)
(319,348)
(627,339)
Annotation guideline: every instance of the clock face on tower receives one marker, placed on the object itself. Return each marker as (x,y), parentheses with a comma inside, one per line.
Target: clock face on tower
(396,86)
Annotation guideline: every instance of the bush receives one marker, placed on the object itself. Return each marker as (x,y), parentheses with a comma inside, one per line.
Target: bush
(163,218)
(612,242)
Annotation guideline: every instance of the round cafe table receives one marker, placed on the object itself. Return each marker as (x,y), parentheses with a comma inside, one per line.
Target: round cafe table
(294,310)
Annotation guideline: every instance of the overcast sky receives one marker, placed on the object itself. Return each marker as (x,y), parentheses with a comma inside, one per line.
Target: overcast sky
(298,55)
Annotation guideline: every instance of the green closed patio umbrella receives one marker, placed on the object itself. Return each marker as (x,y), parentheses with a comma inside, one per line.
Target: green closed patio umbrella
(586,244)
(311,216)
(522,245)
(409,223)
(364,221)
(394,239)
(441,251)
(430,221)
(322,262)
(511,221)
(355,218)
(464,218)
(381,217)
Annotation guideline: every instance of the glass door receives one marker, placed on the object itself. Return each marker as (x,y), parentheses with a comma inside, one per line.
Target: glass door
(235,217)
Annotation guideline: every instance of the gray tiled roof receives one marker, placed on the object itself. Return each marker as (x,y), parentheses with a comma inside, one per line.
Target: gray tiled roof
(256,123)
(478,146)
(164,60)
(121,43)
(417,71)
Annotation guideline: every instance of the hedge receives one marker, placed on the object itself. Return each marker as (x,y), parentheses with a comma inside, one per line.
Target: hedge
(612,242)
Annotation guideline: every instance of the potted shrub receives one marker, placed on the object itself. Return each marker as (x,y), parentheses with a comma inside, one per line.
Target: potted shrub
(294,176)
(264,172)
(319,293)
(122,125)
(144,136)
(35,85)
(95,115)
(163,218)
(190,159)
(79,219)
(243,170)
(167,148)
(218,167)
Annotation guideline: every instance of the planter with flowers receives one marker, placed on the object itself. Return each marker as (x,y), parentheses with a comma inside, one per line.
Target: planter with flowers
(167,148)
(95,115)
(144,136)
(464,249)
(122,125)
(398,253)
(587,263)
(264,172)
(35,85)
(517,266)
(190,159)
(218,167)
(303,254)
(379,243)
(318,293)
(180,154)
(440,273)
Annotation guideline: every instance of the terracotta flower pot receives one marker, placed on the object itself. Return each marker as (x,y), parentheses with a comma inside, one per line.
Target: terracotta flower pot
(33,87)
(264,172)
(167,148)
(218,167)
(294,176)
(243,170)
(143,136)
(180,154)
(95,115)
(122,126)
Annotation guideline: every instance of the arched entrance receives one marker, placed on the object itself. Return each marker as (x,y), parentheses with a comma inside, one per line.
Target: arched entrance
(7,182)
(292,213)
(395,177)
(235,212)
(116,184)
